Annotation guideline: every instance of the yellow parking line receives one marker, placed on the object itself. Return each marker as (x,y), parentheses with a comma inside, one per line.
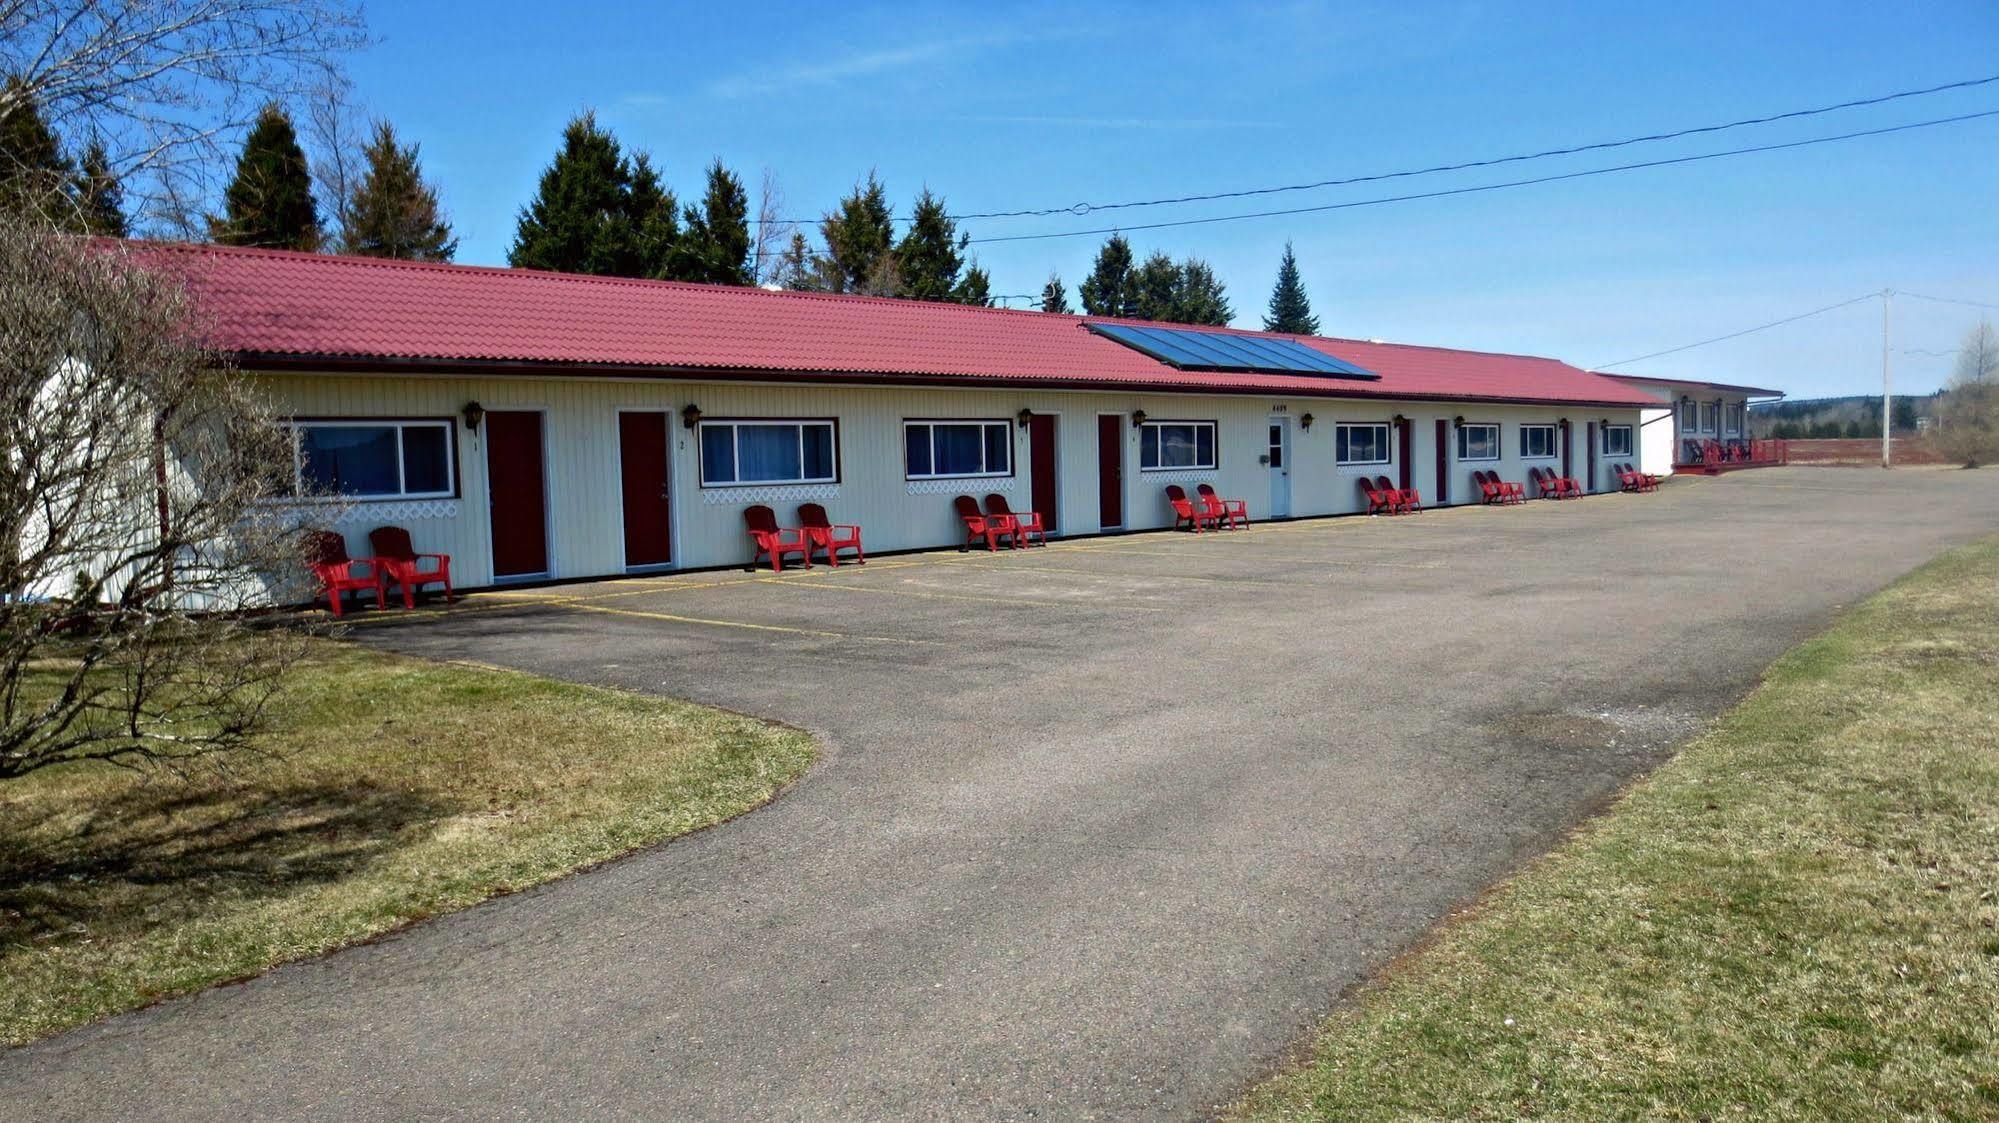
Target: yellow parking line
(643,614)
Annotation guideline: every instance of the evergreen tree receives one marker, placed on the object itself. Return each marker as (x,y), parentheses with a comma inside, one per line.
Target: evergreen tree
(269,202)
(393,212)
(1202,298)
(716,247)
(1290,311)
(1053,297)
(652,218)
(976,289)
(34,175)
(931,254)
(581,218)
(859,237)
(1110,289)
(799,269)
(1156,289)
(100,200)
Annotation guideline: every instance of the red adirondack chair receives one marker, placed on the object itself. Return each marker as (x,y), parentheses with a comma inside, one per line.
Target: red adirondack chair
(1379,502)
(1186,514)
(1496,490)
(1553,486)
(1234,512)
(1408,500)
(1636,480)
(768,538)
(326,557)
(979,525)
(403,566)
(1027,524)
(830,536)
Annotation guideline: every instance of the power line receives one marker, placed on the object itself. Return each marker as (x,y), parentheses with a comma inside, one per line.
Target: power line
(1088,208)
(1479,188)
(1740,334)
(1947,300)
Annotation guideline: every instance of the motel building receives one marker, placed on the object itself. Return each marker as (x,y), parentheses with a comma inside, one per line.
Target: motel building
(539,426)
(1701,427)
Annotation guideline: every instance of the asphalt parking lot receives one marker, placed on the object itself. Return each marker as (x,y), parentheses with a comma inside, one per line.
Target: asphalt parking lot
(1102,829)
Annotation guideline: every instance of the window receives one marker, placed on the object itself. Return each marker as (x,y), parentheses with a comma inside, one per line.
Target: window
(1690,417)
(1478,442)
(374,459)
(1737,413)
(1710,413)
(767,452)
(1537,442)
(1361,443)
(1617,440)
(934,450)
(1164,445)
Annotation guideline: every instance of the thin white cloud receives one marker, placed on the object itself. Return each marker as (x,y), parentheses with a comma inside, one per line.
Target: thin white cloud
(866,64)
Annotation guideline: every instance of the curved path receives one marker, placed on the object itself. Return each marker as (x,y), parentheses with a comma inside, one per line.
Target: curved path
(1102,830)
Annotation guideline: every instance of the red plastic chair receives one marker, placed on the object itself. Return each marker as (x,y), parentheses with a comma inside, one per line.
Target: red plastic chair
(1553,486)
(979,525)
(1496,490)
(829,536)
(1234,512)
(1644,481)
(403,566)
(326,556)
(1408,500)
(769,538)
(1379,502)
(1027,524)
(1186,514)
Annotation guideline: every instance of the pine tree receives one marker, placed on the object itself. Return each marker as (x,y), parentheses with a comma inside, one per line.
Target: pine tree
(859,236)
(269,202)
(581,219)
(1156,289)
(34,174)
(393,212)
(1202,299)
(652,222)
(1290,311)
(931,254)
(1109,289)
(716,246)
(1053,297)
(100,200)
(976,289)
(799,268)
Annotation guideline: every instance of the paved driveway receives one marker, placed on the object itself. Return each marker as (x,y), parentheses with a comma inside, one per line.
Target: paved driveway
(1102,828)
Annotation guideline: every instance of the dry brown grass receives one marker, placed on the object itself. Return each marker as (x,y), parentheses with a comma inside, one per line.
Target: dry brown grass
(399,789)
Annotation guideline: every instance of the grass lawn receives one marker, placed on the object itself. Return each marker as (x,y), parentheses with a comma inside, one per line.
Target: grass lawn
(401,789)
(1796,918)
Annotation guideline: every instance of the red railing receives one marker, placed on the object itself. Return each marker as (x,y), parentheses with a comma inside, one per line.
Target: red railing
(1712,453)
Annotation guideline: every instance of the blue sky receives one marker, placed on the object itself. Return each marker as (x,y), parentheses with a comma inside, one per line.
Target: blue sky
(1001,107)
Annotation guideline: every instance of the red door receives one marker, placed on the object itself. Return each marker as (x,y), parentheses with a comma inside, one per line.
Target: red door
(1110,470)
(515,493)
(642,458)
(1041,460)
(1443,495)
(1405,437)
(1566,472)
(1589,435)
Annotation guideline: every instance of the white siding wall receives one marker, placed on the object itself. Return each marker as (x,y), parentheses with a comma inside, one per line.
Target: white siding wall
(586,536)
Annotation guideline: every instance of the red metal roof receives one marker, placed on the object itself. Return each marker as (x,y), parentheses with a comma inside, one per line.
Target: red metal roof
(273,307)
(1696,384)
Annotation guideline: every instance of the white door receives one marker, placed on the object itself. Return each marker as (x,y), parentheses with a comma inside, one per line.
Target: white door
(1279,461)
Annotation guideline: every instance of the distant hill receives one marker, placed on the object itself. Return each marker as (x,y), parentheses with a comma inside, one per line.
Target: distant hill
(1856,415)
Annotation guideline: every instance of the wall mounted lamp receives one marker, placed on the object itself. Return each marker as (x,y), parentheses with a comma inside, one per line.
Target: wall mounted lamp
(690,416)
(1305,422)
(1025,415)
(1137,418)
(474,414)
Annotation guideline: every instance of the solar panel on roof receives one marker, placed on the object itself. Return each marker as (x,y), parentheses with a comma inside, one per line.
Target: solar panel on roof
(1188,349)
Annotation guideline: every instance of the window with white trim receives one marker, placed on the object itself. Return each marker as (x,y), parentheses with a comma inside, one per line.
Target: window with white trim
(755,452)
(1478,442)
(377,458)
(1168,445)
(1364,442)
(1710,414)
(1690,417)
(943,450)
(1617,440)
(1738,415)
(1537,442)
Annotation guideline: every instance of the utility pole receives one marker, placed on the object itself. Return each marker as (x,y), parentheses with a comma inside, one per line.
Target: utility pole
(1887,395)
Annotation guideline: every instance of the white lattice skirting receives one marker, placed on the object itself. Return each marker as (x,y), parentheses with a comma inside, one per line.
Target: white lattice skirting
(1199,476)
(720,496)
(375,513)
(981,485)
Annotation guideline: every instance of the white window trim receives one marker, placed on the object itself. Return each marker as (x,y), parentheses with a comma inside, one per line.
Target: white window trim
(296,424)
(982,423)
(1690,417)
(1387,443)
(1710,417)
(1554,443)
(1734,415)
(1498,445)
(1214,447)
(1626,431)
(732,423)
